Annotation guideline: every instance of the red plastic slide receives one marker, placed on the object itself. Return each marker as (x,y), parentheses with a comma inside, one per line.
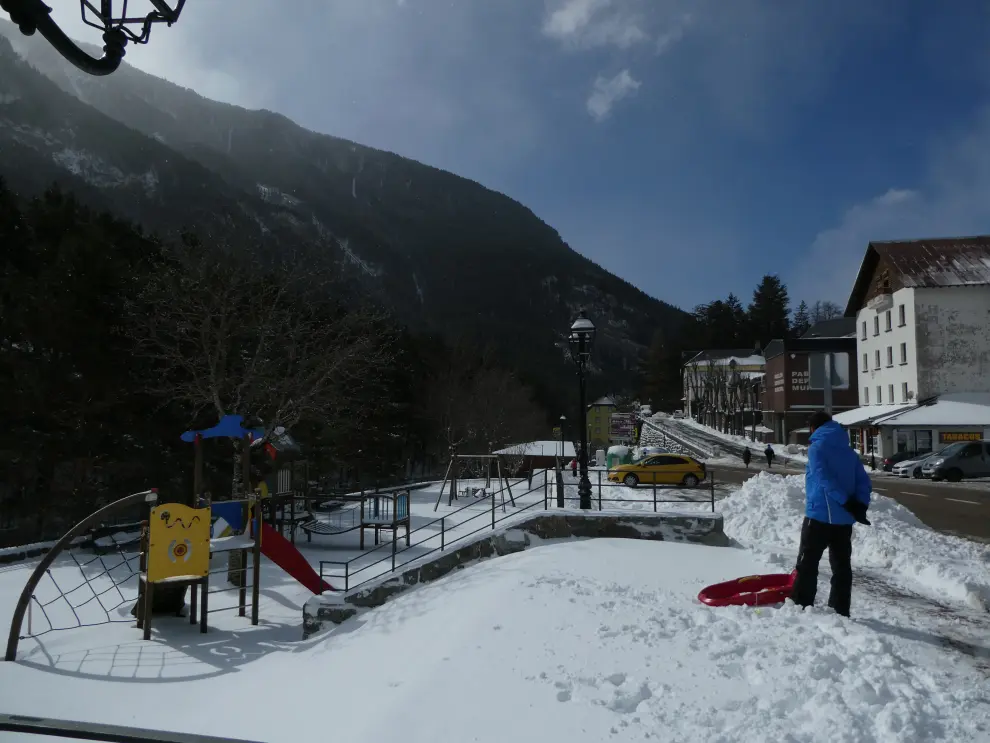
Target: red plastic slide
(753,590)
(281,551)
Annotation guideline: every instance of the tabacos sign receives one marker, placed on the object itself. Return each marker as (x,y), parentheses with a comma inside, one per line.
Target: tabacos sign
(949,437)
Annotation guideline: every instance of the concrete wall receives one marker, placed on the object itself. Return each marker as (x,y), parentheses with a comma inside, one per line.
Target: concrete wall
(953,333)
(334,608)
(897,373)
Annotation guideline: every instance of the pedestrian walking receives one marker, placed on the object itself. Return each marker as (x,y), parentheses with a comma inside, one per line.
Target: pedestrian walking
(747,456)
(769,455)
(837,495)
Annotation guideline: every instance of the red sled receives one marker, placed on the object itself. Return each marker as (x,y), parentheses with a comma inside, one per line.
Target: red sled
(753,590)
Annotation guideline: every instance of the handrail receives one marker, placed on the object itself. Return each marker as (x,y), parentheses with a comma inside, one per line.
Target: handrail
(101,732)
(486,514)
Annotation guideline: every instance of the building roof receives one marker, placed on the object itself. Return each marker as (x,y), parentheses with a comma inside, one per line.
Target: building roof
(603,401)
(743,357)
(538,449)
(838,327)
(953,409)
(930,262)
(868,414)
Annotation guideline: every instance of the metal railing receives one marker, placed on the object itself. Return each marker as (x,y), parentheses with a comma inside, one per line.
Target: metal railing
(443,526)
(29,724)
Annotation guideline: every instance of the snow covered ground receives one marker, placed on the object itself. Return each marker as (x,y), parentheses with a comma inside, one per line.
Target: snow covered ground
(757,447)
(578,641)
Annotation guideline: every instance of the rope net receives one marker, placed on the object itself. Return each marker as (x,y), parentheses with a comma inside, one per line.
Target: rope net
(80,590)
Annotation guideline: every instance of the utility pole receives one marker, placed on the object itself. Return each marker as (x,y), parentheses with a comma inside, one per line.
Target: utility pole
(828,384)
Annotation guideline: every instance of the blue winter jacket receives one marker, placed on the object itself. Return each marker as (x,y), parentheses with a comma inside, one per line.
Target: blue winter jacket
(833,475)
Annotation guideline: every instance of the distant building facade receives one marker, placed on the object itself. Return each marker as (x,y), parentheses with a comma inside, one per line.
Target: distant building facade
(922,312)
(794,383)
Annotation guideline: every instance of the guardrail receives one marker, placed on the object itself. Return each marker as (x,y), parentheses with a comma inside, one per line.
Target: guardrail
(448,530)
(100,732)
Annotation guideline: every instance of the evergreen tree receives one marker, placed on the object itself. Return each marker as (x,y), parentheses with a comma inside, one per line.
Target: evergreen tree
(802,320)
(769,311)
(660,374)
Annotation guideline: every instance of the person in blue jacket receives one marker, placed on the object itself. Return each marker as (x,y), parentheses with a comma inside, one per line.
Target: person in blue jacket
(837,496)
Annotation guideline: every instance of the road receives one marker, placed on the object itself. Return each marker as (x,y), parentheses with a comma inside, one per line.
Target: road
(961,509)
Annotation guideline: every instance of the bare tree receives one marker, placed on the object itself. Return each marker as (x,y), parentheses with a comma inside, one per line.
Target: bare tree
(824,311)
(266,341)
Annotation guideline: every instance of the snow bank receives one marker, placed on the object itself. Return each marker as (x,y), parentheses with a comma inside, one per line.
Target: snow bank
(580,642)
(766,512)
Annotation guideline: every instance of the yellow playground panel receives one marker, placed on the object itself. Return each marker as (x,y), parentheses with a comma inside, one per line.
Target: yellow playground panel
(179,543)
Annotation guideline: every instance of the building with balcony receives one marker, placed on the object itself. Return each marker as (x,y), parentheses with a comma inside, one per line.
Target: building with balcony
(922,312)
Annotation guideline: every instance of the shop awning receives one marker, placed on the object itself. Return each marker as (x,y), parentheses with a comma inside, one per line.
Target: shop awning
(953,409)
(868,414)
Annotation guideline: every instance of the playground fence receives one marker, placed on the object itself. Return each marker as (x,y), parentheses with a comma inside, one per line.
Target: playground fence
(446,527)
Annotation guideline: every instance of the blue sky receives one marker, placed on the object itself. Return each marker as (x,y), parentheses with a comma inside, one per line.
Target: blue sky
(689,146)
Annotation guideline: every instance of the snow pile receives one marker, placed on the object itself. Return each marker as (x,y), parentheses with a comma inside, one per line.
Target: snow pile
(580,642)
(765,514)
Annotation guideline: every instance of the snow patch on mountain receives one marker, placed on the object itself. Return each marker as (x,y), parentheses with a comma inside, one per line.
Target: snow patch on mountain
(275,196)
(98,172)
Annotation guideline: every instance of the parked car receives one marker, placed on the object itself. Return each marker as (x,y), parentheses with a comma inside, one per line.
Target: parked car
(913,467)
(678,414)
(901,456)
(662,469)
(965,459)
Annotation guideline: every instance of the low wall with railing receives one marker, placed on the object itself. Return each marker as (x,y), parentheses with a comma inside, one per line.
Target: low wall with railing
(337,607)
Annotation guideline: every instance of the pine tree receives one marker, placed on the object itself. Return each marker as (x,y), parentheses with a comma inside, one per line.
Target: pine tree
(802,320)
(769,311)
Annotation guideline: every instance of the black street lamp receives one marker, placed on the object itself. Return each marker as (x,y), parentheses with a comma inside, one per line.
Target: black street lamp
(117,26)
(581,337)
(563,419)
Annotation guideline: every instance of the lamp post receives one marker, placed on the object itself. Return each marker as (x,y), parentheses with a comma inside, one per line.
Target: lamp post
(118,27)
(563,419)
(581,337)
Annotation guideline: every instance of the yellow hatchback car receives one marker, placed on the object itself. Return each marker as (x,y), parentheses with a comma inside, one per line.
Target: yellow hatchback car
(661,469)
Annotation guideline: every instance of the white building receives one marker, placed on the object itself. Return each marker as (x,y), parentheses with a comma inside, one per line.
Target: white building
(922,311)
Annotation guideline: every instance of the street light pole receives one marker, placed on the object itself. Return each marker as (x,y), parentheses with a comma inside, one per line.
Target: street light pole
(581,337)
(563,419)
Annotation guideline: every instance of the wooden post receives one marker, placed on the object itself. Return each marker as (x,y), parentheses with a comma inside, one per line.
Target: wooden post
(256,564)
(197,469)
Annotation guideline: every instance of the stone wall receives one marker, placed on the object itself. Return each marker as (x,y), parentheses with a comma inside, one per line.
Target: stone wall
(547,525)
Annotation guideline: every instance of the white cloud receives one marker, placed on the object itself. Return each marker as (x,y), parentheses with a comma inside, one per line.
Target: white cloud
(672,35)
(954,201)
(606,92)
(596,23)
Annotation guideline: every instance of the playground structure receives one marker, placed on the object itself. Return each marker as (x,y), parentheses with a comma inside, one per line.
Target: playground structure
(458,462)
(174,553)
(380,511)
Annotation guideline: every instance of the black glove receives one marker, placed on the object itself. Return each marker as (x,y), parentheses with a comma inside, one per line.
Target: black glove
(858,510)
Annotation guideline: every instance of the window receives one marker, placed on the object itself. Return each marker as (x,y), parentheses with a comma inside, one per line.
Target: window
(876,358)
(922,440)
(866,395)
(862,334)
(901,320)
(904,353)
(890,355)
(904,392)
(879,395)
(876,325)
(866,362)
(890,394)
(887,321)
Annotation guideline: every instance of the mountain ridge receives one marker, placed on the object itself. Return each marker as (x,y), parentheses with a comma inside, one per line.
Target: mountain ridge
(446,253)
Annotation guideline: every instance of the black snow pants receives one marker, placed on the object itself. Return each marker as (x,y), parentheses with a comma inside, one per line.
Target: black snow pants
(816,536)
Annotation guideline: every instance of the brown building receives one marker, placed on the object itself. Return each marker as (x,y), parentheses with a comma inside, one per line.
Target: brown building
(794,383)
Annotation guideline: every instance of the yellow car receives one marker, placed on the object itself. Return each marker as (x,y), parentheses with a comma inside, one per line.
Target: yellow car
(662,469)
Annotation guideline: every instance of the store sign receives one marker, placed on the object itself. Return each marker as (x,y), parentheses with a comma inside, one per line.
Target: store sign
(949,437)
(622,425)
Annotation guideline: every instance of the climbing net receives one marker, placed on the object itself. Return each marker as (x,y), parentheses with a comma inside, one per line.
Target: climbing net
(80,590)
(87,579)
